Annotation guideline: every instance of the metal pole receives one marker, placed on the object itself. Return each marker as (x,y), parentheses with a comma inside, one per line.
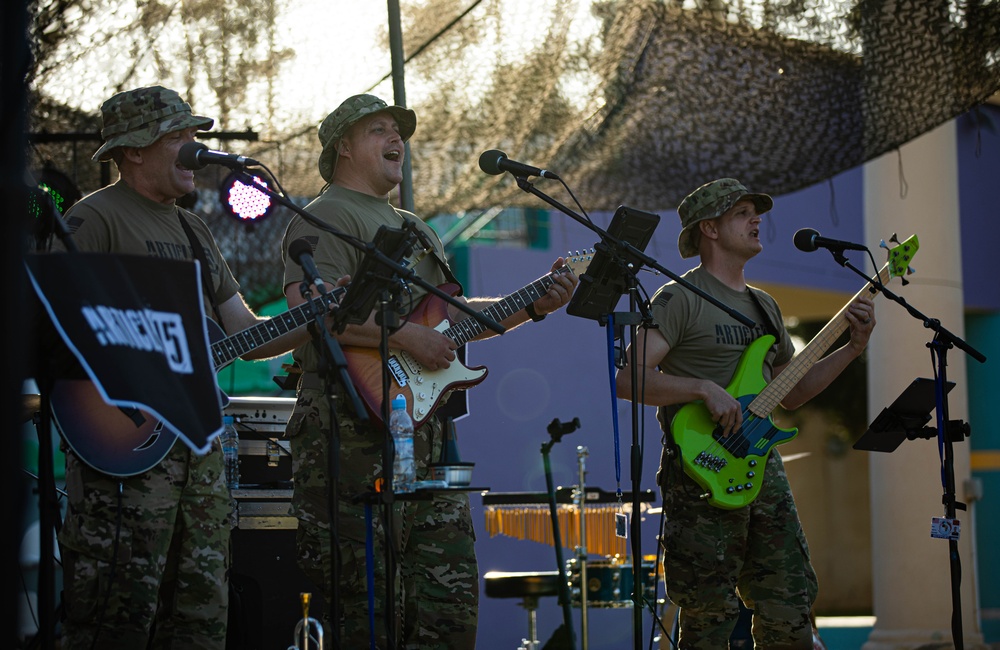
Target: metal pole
(399,98)
(581,550)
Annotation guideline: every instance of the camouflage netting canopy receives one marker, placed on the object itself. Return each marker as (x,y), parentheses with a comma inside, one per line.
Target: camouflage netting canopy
(664,95)
(631,102)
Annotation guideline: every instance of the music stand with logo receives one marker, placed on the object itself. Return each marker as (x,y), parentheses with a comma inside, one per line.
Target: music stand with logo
(136,325)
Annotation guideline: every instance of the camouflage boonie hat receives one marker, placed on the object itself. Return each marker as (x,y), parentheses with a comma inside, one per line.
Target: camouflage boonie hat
(709,201)
(140,117)
(350,111)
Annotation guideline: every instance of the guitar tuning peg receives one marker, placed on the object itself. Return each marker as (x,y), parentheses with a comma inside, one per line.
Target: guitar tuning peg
(882,244)
(904,281)
(894,239)
(910,270)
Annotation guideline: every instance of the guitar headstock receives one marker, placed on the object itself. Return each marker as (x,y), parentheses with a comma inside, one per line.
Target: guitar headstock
(900,255)
(578,261)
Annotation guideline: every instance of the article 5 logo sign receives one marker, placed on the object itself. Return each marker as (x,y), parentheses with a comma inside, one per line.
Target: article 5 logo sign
(143,330)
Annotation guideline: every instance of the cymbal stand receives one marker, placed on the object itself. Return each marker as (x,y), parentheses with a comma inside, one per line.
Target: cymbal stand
(581,549)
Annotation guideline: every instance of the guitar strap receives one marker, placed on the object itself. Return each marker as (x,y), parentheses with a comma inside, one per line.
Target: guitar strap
(206,279)
(432,250)
(768,325)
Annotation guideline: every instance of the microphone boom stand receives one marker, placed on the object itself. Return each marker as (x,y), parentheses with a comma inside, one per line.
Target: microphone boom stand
(943,341)
(402,273)
(630,260)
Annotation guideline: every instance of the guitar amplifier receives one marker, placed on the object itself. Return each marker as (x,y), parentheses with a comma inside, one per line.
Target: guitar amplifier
(265,454)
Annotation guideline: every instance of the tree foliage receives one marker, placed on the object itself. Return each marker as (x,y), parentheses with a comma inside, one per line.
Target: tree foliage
(219,55)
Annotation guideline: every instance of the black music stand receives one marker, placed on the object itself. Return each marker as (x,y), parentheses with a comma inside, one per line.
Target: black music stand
(604,282)
(372,276)
(904,418)
(610,275)
(374,279)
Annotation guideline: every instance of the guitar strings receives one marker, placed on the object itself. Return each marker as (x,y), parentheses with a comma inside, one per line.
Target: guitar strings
(734,441)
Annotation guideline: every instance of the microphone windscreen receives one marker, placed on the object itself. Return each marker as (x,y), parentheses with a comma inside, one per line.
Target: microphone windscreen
(805,240)
(299,247)
(188,155)
(489,161)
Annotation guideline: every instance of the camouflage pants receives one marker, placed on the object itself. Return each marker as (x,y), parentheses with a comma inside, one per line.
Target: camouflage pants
(169,567)
(437,582)
(757,553)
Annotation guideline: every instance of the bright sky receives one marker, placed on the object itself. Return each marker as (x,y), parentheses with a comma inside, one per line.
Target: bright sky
(339,50)
(317,30)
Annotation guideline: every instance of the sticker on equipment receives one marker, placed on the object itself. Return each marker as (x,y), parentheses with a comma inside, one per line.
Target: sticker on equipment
(944,528)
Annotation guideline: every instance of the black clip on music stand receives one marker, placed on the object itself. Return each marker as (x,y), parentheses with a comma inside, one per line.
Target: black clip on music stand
(904,418)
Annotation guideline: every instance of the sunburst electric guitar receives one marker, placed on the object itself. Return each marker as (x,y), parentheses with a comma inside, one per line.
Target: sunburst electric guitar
(731,469)
(425,388)
(123,441)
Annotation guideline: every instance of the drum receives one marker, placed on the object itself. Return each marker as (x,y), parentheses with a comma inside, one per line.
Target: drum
(610,582)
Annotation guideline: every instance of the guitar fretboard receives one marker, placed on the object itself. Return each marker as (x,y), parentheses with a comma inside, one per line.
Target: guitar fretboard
(769,398)
(464,331)
(230,348)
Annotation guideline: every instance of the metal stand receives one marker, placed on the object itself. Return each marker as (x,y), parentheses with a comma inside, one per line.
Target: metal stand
(947,431)
(622,261)
(581,550)
(564,634)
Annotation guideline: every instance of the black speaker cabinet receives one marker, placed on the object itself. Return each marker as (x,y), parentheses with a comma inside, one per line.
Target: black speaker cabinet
(265,587)
(265,580)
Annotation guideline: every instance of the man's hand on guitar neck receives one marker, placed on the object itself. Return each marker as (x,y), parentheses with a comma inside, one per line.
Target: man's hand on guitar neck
(861,315)
(559,293)
(563,284)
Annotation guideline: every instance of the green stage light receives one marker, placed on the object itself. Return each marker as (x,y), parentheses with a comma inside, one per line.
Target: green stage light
(57,185)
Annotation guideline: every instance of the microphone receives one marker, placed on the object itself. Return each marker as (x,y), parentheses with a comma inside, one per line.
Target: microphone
(196,155)
(496,162)
(808,240)
(300,250)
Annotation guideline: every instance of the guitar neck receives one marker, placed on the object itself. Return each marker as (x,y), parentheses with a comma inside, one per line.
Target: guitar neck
(769,398)
(226,350)
(468,329)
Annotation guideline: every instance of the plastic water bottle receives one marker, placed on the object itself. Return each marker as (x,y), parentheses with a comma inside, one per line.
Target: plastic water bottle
(404,472)
(231,452)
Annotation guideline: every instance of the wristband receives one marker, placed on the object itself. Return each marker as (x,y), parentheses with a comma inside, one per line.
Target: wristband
(534,315)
